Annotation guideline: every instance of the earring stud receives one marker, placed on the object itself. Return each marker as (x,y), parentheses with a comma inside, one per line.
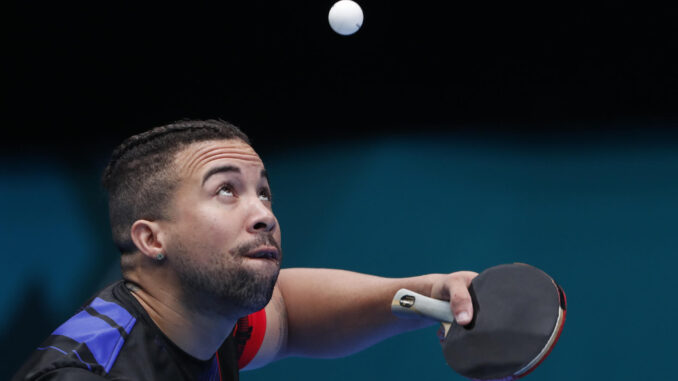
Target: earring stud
(160,257)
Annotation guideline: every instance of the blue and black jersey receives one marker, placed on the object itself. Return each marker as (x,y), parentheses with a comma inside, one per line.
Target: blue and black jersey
(113,338)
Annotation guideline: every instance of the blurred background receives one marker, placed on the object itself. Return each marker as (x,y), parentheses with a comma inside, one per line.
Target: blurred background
(439,137)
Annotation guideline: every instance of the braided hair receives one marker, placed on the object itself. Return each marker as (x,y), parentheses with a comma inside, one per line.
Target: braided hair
(140,178)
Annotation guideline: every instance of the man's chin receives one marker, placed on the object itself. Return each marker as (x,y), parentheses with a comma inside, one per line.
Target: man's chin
(254,294)
(238,289)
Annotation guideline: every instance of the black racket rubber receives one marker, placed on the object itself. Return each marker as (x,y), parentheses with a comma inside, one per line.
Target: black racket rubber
(519,312)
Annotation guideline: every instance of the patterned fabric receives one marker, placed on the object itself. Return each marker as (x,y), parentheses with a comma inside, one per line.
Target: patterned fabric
(112,337)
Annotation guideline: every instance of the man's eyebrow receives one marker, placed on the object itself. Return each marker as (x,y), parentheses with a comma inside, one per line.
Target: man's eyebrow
(264,174)
(222,169)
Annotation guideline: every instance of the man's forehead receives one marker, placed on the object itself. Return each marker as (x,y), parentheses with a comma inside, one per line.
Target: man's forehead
(197,157)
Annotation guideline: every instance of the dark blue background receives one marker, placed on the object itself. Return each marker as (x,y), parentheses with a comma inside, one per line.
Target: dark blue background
(598,215)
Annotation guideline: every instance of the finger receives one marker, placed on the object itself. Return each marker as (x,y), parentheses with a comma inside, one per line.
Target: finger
(460,298)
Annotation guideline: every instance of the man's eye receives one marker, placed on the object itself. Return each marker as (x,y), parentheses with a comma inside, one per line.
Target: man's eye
(226,190)
(265,195)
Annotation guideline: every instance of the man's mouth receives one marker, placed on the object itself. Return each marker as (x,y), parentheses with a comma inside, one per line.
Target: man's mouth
(267,252)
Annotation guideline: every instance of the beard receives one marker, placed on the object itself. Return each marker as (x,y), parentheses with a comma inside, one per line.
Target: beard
(224,284)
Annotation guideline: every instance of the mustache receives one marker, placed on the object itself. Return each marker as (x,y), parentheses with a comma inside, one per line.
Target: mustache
(261,240)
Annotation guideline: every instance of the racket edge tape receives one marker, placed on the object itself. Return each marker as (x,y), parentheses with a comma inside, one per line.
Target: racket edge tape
(562,313)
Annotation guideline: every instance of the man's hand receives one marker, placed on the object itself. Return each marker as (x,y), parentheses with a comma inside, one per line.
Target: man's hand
(454,287)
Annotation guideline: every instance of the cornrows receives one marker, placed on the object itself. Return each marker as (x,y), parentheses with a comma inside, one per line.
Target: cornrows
(217,126)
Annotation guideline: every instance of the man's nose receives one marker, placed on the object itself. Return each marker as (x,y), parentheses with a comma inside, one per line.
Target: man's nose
(262,219)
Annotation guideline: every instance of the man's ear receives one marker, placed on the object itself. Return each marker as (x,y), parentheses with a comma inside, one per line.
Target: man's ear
(145,235)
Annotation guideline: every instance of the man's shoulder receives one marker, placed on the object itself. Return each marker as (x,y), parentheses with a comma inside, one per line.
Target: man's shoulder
(90,341)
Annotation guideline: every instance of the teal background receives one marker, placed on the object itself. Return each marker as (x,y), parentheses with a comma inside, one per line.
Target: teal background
(597,211)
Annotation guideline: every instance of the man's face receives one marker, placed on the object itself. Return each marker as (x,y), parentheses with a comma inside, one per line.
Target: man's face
(223,240)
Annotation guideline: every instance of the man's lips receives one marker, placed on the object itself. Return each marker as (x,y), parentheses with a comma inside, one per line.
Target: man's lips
(265,252)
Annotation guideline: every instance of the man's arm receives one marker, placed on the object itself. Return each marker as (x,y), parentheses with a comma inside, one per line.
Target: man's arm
(333,313)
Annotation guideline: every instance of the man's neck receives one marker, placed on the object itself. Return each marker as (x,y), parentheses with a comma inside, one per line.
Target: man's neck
(198,334)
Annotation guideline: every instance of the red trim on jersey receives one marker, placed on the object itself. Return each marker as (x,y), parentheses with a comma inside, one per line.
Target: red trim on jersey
(219,366)
(257,323)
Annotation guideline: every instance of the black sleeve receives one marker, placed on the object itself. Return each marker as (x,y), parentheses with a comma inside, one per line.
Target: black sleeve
(70,374)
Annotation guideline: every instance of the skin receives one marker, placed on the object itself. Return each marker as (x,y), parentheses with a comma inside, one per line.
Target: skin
(207,224)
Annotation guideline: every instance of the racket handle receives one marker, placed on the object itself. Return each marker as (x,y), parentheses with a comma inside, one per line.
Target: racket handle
(409,304)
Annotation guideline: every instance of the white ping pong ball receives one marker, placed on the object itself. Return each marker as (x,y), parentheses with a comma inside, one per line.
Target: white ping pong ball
(345,17)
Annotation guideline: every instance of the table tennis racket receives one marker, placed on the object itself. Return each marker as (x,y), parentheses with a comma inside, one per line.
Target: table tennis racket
(518,315)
